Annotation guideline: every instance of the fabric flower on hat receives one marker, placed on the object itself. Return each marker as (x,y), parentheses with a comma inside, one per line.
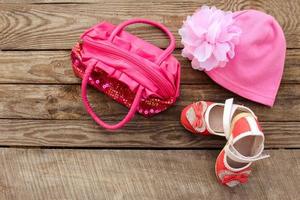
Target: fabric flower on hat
(209,37)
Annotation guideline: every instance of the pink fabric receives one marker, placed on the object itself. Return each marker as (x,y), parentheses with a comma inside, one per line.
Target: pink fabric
(120,71)
(150,73)
(209,37)
(256,70)
(89,109)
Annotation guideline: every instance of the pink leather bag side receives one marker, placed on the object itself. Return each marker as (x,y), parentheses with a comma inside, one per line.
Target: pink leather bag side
(130,70)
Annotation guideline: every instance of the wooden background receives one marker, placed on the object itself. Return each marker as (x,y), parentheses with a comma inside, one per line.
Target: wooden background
(51,149)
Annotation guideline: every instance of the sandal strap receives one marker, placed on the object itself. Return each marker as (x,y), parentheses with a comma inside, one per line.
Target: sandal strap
(234,154)
(229,110)
(206,119)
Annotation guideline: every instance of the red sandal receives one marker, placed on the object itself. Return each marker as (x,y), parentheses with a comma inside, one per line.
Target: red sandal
(245,145)
(207,118)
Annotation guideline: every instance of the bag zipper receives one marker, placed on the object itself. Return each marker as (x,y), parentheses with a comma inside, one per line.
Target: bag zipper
(163,84)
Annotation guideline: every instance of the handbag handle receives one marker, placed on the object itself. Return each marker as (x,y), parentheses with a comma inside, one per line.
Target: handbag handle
(166,52)
(89,109)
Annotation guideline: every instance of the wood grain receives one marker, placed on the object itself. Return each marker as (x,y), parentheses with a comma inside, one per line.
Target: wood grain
(64,102)
(57,26)
(170,134)
(40,107)
(48,1)
(66,1)
(118,174)
(49,67)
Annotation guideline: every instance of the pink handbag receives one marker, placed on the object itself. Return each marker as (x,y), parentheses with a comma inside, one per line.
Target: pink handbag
(130,70)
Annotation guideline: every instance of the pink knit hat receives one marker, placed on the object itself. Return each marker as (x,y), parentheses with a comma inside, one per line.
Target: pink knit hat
(242,51)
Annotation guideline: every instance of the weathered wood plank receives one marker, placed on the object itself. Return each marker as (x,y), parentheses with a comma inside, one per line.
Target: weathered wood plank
(55,67)
(146,134)
(118,174)
(37,67)
(59,1)
(47,1)
(57,26)
(64,102)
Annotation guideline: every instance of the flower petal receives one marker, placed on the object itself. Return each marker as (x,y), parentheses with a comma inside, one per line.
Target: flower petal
(187,52)
(203,52)
(210,63)
(197,29)
(213,32)
(231,52)
(220,52)
(209,37)
(196,64)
